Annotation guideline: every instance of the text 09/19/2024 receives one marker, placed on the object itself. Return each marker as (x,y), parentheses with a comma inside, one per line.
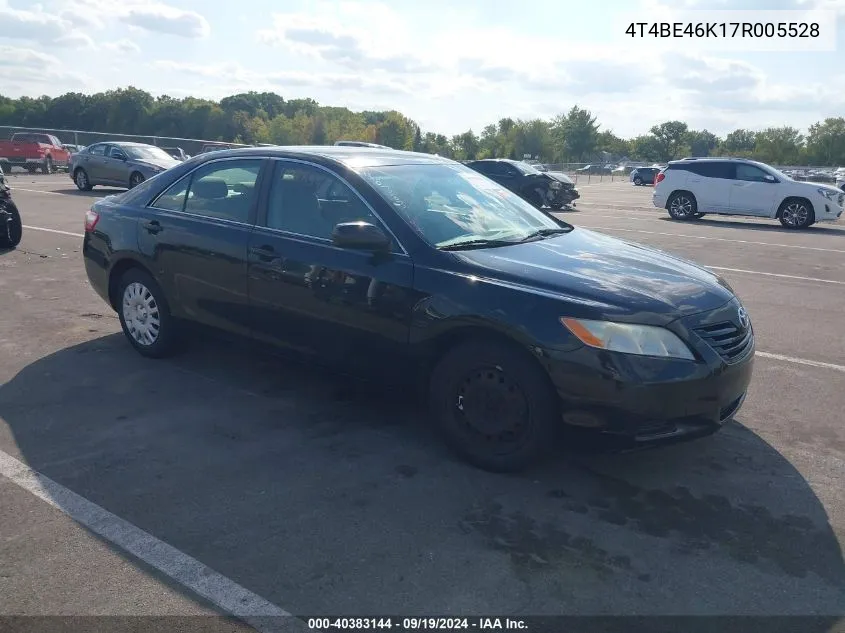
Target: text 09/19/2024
(718,31)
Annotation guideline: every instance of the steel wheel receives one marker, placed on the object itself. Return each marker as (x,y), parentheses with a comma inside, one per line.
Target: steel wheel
(795,215)
(492,409)
(682,206)
(141,314)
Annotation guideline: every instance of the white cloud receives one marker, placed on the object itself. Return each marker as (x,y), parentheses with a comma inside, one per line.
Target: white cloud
(36,24)
(33,72)
(125,46)
(162,18)
(76,39)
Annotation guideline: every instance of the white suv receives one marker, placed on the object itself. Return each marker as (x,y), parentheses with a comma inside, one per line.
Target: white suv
(691,187)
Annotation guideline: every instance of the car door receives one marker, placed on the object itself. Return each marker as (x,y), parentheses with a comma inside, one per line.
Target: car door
(195,237)
(93,162)
(509,176)
(710,183)
(114,169)
(345,306)
(752,193)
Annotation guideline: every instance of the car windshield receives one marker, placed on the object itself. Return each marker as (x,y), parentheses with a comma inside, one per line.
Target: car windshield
(525,169)
(142,152)
(451,204)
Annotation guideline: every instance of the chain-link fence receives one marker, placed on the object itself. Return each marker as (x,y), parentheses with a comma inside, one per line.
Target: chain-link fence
(190,146)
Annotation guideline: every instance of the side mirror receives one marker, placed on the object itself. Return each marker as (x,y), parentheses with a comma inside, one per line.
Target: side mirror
(361,236)
(769,178)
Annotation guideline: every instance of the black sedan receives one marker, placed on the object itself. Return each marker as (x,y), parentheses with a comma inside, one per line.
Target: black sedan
(401,264)
(540,188)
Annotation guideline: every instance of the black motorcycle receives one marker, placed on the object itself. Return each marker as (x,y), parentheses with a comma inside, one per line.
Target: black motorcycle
(11,227)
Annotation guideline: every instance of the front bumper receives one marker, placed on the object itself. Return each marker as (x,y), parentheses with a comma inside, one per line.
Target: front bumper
(563,196)
(827,209)
(643,400)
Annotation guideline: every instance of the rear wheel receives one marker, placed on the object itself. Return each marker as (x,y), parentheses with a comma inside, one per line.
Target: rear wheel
(795,213)
(638,181)
(144,314)
(682,206)
(11,230)
(494,405)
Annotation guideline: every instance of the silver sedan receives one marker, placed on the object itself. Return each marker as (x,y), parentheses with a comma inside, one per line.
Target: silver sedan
(118,164)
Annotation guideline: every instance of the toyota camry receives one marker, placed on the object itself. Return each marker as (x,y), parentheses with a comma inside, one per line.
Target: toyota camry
(398,264)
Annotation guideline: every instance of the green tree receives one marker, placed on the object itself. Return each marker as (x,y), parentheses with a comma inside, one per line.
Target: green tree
(779,145)
(576,133)
(826,142)
(646,148)
(701,143)
(670,139)
(740,142)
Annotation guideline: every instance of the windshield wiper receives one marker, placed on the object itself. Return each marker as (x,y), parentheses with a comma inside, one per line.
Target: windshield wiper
(476,243)
(546,233)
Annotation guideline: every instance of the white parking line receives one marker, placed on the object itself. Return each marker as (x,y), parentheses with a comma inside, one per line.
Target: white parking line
(759,272)
(49,193)
(802,361)
(716,239)
(57,231)
(223,592)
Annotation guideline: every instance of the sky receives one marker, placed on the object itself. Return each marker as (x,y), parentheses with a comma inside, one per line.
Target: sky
(449,66)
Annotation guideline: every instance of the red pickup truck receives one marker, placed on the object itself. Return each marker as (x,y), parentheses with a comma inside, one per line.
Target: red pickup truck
(33,151)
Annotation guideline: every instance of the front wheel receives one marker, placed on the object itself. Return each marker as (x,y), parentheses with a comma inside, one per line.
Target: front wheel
(136,179)
(494,405)
(682,206)
(80,177)
(796,214)
(144,315)
(11,230)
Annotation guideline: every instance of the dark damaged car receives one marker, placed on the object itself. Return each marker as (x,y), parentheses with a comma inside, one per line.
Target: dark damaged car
(540,188)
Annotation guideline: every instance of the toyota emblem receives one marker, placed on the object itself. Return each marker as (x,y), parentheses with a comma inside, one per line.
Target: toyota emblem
(744,321)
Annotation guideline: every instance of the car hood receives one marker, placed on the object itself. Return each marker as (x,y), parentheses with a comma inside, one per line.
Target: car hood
(559,176)
(161,163)
(607,274)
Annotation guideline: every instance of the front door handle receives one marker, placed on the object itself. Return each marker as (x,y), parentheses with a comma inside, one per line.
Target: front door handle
(265,252)
(153,226)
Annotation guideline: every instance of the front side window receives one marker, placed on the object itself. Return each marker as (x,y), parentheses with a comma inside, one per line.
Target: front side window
(310,201)
(116,152)
(224,190)
(450,204)
(750,173)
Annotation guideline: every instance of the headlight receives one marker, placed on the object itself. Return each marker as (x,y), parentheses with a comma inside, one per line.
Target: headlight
(555,184)
(643,340)
(830,194)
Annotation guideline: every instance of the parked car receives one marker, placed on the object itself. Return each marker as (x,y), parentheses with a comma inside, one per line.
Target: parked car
(33,151)
(840,182)
(540,188)
(408,266)
(216,147)
(644,175)
(594,169)
(692,187)
(177,152)
(118,164)
(11,226)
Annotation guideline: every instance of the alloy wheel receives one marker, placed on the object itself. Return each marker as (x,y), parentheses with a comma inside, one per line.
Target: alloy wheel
(681,207)
(795,214)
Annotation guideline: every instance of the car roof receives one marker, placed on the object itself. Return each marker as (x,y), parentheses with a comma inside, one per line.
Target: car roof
(127,144)
(349,156)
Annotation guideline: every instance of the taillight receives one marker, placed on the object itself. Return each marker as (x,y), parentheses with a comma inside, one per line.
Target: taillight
(91,219)
(659,178)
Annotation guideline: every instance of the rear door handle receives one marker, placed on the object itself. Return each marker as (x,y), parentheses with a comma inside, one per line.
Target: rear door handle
(153,226)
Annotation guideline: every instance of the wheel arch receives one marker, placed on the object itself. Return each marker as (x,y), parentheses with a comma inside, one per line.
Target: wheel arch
(676,192)
(783,202)
(116,272)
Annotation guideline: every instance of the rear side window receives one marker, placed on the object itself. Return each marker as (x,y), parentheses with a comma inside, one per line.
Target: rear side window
(97,150)
(712,169)
(224,190)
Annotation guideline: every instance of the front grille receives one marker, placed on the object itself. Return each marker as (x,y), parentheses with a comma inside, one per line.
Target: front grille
(731,342)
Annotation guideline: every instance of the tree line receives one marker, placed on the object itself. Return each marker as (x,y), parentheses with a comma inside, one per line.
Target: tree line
(265,117)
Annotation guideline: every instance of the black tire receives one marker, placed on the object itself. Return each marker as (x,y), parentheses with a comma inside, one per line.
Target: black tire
(638,181)
(80,177)
(796,214)
(682,206)
(558,206)
(47,167)
(136,179)
(148,295)
(7,169)
(11,231)
(480,376)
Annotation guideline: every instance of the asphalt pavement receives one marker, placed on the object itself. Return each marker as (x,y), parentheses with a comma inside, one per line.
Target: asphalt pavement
(228,481)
